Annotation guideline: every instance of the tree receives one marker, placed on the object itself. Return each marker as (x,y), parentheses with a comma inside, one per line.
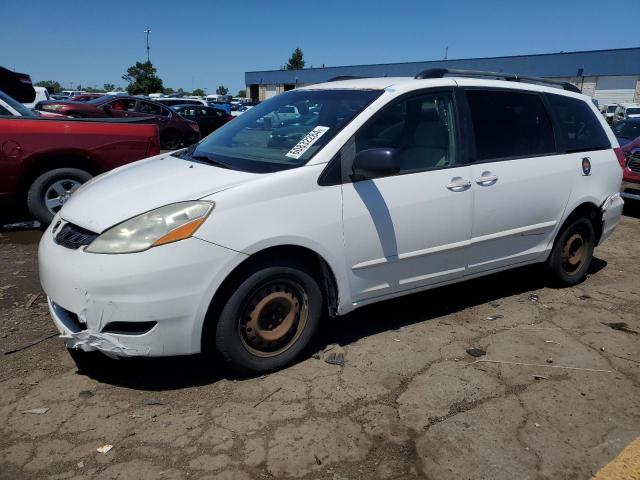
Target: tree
(50,85)
(169,91)
(142,78)
(222,90)
(296,62)
(109,87)
(198,92)
(242,94)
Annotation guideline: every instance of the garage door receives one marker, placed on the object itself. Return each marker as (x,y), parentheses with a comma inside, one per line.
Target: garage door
(616,89)
(270,91)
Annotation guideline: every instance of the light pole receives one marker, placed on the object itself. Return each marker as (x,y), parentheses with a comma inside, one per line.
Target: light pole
(147,31)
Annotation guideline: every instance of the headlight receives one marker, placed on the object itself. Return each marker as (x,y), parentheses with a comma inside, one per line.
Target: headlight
(157,227)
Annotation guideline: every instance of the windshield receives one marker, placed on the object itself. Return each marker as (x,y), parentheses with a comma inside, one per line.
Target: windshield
(629,129)
(284,131)
(20,108)
(633,111)
(611,108)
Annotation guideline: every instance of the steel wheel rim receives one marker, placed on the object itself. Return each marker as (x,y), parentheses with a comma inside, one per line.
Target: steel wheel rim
(273,318)
(58,193)
(574,252)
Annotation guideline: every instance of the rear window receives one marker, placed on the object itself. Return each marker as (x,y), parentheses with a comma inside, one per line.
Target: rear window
(579,126)
(510,124)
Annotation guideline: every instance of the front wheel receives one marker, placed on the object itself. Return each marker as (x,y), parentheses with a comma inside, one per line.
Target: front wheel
(51,190)
(170,140)
(270,317)
(572,253)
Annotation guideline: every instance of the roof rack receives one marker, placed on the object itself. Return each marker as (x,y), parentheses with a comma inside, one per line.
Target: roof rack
(344,77)
(511,77)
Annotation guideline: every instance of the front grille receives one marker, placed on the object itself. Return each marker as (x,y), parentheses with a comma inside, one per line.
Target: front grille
(634,162)
(74,237)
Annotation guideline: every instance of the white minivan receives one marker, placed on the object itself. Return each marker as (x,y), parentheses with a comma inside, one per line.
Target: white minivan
(242,243)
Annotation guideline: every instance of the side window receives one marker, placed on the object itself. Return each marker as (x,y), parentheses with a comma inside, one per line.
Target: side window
(188,111)
(204,112)
(578,124)
(123,104)
(4,111)
(421,129)
(150,108)
(509,124)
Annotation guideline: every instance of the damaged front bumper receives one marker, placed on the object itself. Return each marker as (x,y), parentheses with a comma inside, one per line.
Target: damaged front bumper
(151,303)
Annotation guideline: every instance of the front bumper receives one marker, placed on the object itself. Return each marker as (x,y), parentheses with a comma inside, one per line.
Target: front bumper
(611,214)
(630,190)
(168,288)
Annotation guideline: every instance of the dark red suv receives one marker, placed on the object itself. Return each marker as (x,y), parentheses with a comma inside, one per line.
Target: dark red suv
(174,129)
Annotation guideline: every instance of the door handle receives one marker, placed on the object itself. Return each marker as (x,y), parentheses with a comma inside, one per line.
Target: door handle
(458,184)
(487,179)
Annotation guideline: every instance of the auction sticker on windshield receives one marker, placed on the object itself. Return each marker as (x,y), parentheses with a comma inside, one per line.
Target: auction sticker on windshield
(307,141)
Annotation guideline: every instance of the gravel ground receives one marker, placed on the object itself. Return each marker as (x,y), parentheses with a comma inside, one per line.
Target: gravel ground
(409,402)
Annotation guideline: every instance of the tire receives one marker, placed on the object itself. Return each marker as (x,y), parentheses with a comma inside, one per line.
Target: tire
(170,140)
(282,292)
(45,189)
(572,253)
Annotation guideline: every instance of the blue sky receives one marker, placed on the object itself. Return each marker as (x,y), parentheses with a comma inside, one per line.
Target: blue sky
(198,44)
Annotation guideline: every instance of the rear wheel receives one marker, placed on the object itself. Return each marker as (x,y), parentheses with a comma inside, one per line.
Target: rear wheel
(572,253)
(170,140)
(51,190)
(270,318)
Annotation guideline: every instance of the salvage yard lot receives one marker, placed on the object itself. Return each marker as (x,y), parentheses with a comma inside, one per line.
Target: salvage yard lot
(409,401)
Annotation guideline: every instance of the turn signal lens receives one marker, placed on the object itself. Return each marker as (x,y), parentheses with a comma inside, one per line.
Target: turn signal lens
(180,233)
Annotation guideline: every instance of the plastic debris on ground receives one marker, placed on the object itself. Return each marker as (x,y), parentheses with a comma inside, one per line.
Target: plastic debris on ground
(104,448)
(37,411)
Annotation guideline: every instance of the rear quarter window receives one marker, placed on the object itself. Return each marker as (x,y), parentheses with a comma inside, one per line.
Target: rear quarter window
(579,126)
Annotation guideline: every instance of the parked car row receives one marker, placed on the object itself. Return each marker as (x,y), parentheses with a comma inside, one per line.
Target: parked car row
(174,129)
(44,159)
(616,112)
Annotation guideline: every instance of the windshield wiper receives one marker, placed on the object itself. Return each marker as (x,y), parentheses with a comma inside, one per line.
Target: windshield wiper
(208,159)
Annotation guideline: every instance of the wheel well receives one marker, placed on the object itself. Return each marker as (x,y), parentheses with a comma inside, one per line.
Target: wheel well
(45,164)
(319,268)
(590,211)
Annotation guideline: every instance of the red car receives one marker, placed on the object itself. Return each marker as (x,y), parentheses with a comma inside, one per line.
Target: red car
(628,134)
(44,160)
(174,130)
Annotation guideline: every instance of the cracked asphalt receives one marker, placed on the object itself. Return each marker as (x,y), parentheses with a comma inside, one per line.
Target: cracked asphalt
(560,401)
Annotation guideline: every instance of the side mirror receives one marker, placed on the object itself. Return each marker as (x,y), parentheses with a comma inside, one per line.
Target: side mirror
(374,163)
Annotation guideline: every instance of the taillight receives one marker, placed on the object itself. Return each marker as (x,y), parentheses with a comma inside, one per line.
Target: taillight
(195,126)
(153,147)
(622,160)
(229,118)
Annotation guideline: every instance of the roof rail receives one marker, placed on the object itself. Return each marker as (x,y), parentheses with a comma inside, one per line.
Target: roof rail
(343,77)
(511,77)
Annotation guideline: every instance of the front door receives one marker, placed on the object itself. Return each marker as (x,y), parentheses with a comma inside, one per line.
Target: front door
(409,230)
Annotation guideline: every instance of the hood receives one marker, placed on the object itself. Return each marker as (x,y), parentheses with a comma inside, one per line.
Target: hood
(141,186)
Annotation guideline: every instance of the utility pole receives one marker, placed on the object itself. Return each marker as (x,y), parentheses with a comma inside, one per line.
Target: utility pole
(147,31)
(446,52)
